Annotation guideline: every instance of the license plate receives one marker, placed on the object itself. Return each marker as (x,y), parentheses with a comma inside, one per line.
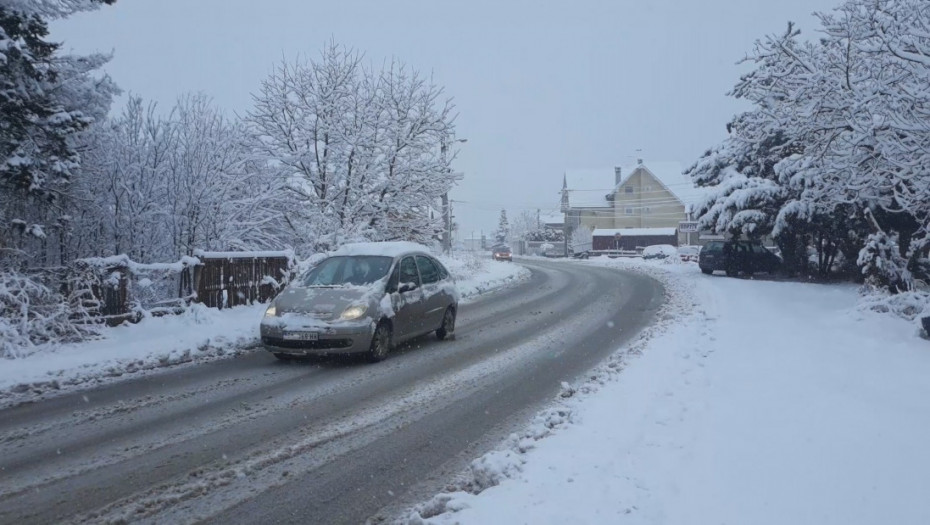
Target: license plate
(301,336)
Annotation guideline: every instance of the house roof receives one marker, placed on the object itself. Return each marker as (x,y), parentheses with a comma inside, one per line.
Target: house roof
(589,188)
(551,217)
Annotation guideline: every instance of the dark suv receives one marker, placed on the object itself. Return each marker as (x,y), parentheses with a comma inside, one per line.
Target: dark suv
(734,257)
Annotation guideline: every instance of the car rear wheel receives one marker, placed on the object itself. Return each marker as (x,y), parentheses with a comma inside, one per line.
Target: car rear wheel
(447,328)
(707,271)
(380,342)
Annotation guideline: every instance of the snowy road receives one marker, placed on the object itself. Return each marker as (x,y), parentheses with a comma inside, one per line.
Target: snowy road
(249,439)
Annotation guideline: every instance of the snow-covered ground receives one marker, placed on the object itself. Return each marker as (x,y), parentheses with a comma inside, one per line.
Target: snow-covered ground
(750,401)
(200,334)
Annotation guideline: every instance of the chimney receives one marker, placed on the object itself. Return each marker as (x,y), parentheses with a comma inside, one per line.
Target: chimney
(639,161)
(617,175)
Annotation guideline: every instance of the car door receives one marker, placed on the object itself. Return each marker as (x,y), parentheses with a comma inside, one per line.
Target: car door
(765,260)
(434,302)
(407,300)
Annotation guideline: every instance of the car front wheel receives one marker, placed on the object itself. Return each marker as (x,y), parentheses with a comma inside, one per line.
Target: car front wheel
(380,342)
(447,328)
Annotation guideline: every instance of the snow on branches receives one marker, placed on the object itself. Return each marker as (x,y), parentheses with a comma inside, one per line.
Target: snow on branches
(366,152)
(46,101)
(835,148)
(158,187)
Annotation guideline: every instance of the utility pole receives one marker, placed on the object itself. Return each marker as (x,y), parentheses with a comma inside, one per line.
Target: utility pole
(446,208)
(447,224)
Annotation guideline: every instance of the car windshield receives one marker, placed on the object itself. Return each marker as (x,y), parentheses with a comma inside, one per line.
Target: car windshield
(348,270)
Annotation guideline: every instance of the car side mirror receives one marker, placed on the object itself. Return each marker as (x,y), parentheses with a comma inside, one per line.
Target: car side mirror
(407,287)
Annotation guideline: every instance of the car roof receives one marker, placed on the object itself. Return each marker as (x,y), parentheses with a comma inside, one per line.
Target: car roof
(386,249)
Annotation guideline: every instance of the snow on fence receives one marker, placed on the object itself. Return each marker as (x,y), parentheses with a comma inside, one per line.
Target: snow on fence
(125,290)
(117,289)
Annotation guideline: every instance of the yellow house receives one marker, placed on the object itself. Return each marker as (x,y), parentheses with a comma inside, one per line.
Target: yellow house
(644,195)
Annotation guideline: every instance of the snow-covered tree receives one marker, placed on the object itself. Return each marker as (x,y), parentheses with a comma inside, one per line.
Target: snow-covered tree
(524,223)
(46,101)
(158,187)
(834,149)
(365,152)
(52,9)
(118,200)
(502,234)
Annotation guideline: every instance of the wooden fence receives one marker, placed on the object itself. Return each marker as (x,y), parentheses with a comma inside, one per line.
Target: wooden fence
(226,279)
(215,279)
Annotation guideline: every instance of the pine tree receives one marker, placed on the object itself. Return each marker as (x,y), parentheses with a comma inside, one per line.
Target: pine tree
(46,99)
(503,228)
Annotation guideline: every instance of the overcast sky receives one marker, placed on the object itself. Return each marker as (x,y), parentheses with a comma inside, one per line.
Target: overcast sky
(541,86)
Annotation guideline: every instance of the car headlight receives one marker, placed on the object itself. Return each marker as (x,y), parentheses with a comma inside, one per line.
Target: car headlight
(271,311)
(354,312)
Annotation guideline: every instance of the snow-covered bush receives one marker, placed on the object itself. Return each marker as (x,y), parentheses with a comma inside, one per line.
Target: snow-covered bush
(882,264)
(910,305)
(32,314)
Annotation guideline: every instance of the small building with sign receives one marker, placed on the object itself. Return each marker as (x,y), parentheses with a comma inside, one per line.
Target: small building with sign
(645,196)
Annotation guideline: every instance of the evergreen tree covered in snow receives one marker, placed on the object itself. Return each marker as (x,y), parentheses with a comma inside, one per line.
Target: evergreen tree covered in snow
(46,100)
(502,234)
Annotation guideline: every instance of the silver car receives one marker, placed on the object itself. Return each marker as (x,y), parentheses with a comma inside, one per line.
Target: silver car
(362,299)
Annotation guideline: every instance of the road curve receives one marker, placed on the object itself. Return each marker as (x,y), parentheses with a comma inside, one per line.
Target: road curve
(252,440)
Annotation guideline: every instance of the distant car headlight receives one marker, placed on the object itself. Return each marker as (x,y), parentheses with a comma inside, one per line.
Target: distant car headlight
(354,312)
(271,311)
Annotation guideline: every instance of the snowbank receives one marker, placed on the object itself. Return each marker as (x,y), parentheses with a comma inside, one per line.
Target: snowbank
(476,273)
(749,402)
(201,334)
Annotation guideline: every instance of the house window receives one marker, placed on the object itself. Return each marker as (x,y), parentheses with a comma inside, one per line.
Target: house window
(648,187)
(628,189)
(629,211)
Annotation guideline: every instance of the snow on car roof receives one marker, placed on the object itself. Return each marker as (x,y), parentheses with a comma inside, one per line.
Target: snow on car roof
(388,249)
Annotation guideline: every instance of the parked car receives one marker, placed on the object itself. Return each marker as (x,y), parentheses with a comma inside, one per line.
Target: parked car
(364,298)
(689,253)
(734,257)
(660,251)
(501,253)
